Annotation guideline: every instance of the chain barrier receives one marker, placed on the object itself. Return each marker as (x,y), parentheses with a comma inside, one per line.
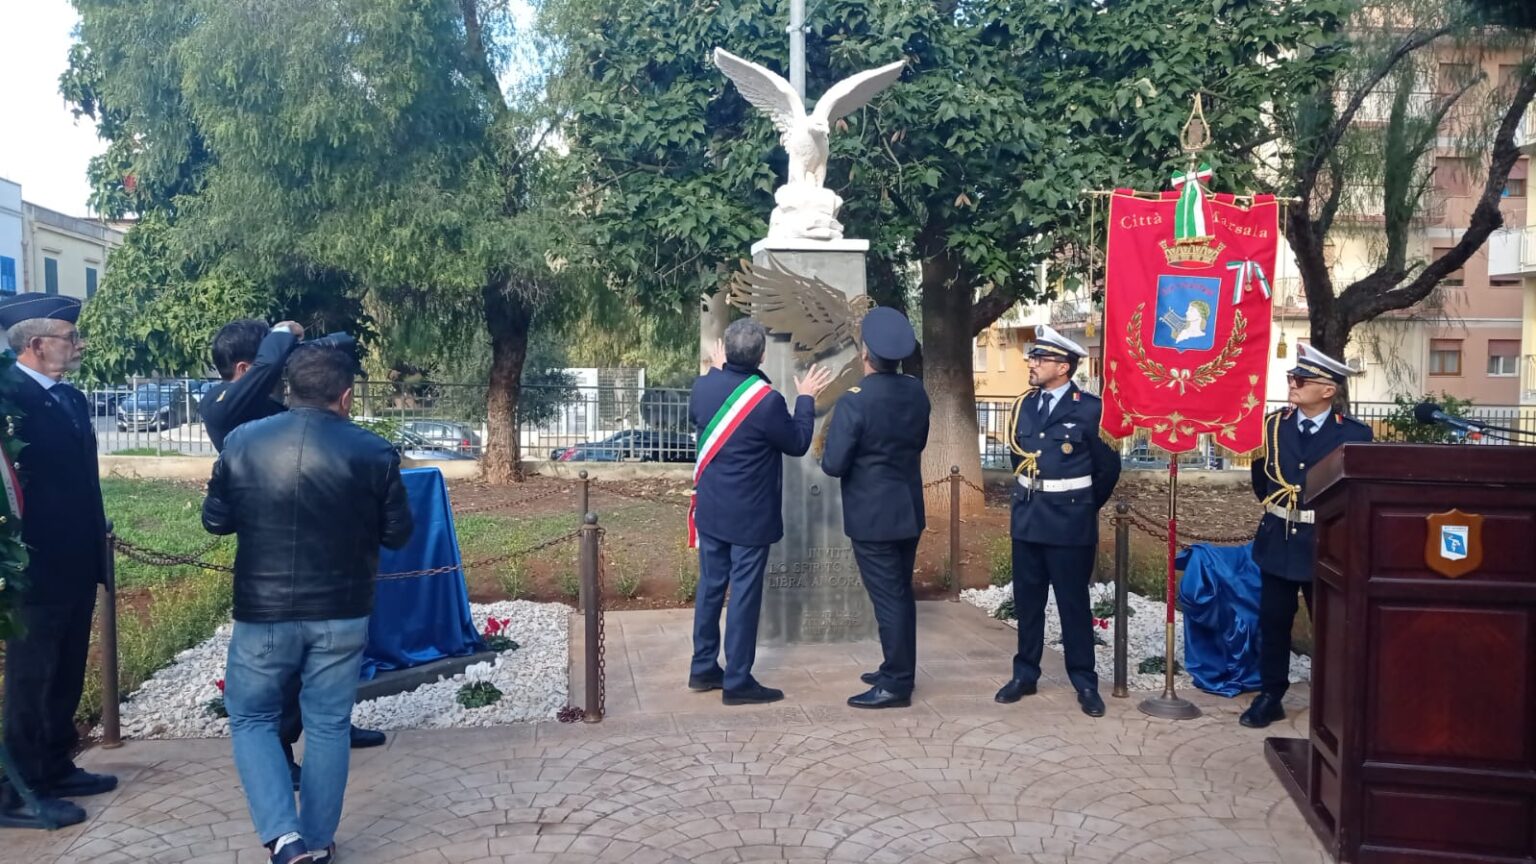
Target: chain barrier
(134,552)
(634,496)
(1148,524)
(521,502)
(602,629)
(169,559)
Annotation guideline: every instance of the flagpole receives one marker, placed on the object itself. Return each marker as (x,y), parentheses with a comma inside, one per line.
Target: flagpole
(1169,706)
(1193,138)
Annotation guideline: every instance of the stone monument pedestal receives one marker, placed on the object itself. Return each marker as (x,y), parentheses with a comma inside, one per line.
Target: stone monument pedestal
(812,591)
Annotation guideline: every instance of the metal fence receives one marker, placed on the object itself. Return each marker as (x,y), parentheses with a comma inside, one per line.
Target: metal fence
(431,420)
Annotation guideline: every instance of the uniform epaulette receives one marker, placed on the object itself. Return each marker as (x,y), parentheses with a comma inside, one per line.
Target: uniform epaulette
(1342,418)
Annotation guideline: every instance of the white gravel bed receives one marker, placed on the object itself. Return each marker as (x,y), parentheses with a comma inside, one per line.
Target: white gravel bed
(532,680)
(1145,629)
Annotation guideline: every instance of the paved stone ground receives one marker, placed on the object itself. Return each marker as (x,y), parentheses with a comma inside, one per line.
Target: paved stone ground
(673,776)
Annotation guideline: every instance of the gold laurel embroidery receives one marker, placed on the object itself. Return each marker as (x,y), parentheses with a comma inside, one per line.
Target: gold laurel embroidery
(1203,375)
(1175,423)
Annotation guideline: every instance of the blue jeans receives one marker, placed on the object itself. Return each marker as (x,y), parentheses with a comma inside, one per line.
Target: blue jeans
(327,657)
(740,567)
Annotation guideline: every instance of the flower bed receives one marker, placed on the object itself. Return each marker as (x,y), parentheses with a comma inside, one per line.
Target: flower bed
(1144,631)
(531,678)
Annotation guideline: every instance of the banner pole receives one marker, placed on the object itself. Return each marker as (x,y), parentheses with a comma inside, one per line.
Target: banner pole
(1169,706)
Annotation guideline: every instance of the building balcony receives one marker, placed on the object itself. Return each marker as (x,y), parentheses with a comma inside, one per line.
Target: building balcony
(1512,252)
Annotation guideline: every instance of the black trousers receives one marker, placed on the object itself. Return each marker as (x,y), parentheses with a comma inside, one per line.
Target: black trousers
(1038,567)
(886,569)
(1277,612)
(44,676)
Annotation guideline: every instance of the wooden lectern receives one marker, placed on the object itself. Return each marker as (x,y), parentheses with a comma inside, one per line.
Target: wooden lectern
(1423,727)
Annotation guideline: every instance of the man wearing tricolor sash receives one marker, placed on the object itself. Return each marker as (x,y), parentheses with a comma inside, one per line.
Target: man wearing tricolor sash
(745,430)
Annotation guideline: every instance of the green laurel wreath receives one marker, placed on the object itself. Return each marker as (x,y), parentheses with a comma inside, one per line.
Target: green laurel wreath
(13,553)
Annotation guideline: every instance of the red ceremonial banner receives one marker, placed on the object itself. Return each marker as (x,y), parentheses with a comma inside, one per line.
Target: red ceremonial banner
(1186,321)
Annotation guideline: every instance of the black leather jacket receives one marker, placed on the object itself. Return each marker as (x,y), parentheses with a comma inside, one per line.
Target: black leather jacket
(311,497)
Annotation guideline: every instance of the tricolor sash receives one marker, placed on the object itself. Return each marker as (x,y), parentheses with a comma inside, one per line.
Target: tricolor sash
(724,424)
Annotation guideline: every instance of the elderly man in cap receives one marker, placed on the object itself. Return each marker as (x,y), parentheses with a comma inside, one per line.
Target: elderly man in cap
(1294,438)
(875,445)
(1065,474)
(64,530)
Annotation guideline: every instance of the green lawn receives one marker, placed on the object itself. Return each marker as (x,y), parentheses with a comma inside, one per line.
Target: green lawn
(164,516)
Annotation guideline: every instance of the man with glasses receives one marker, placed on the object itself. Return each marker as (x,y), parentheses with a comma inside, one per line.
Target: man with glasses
(64,530)
(1295,438)
(1065,474)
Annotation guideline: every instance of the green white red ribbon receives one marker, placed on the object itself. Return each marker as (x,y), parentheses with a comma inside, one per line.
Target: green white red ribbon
(1247,270)
(1189,214)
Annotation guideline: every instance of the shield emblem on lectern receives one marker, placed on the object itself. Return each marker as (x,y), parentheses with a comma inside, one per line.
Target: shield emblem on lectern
(1454,546)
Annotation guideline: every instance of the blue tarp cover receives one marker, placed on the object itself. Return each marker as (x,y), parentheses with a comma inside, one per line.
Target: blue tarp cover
(421,619)
(1219,596)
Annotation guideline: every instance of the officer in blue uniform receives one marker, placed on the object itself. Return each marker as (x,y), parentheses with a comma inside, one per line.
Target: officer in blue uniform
(875,445)
(1065,473)
(1295,438)
(740,503)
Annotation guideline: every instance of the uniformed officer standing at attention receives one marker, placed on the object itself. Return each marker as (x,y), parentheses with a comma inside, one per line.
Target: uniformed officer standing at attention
(1065,474)
(875,445)
(1295,438)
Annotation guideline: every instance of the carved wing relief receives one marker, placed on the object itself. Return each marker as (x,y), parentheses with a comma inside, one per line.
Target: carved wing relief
(819,319)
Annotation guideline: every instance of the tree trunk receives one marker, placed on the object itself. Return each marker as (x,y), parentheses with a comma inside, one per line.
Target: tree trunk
(508,318)
(1330,335)
(951,390)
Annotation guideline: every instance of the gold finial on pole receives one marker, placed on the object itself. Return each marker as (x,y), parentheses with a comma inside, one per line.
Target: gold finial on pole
(1196,134)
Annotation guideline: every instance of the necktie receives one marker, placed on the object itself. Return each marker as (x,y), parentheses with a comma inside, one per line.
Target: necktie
(61,395)
(1045,408)
(1307,428)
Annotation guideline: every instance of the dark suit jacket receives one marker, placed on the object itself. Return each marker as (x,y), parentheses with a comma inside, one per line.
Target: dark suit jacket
(64,526)
(741,491)
(229,403)
(1068,446)
(1277,549)
(875,444)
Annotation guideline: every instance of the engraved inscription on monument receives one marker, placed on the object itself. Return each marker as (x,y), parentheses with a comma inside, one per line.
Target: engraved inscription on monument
(812,591)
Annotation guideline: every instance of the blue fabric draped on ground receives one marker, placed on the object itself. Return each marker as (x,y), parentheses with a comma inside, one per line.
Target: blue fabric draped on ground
(424,618)
(1219,596)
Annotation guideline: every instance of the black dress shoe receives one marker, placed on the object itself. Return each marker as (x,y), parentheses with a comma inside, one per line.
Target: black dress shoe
(364,738)
(878,698)
(1015,690)
(1265,710)
(50,813)
(870,678)
(1091,703)
(752,694)
(80,784)
(704,685)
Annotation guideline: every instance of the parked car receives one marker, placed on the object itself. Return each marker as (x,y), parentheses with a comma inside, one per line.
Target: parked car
(447,434)
(152,407)
(104,401)
(630,445)
(413,446)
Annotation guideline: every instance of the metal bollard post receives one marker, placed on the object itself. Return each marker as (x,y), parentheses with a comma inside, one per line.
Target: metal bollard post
(111,728)
(954,533)
(592,601)
(583,493)
(1122,593)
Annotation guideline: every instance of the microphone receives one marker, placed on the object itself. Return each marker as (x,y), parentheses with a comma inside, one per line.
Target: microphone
(1430,414)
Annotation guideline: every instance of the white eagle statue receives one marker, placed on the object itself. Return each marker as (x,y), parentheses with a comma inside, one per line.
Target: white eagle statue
(805,208)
